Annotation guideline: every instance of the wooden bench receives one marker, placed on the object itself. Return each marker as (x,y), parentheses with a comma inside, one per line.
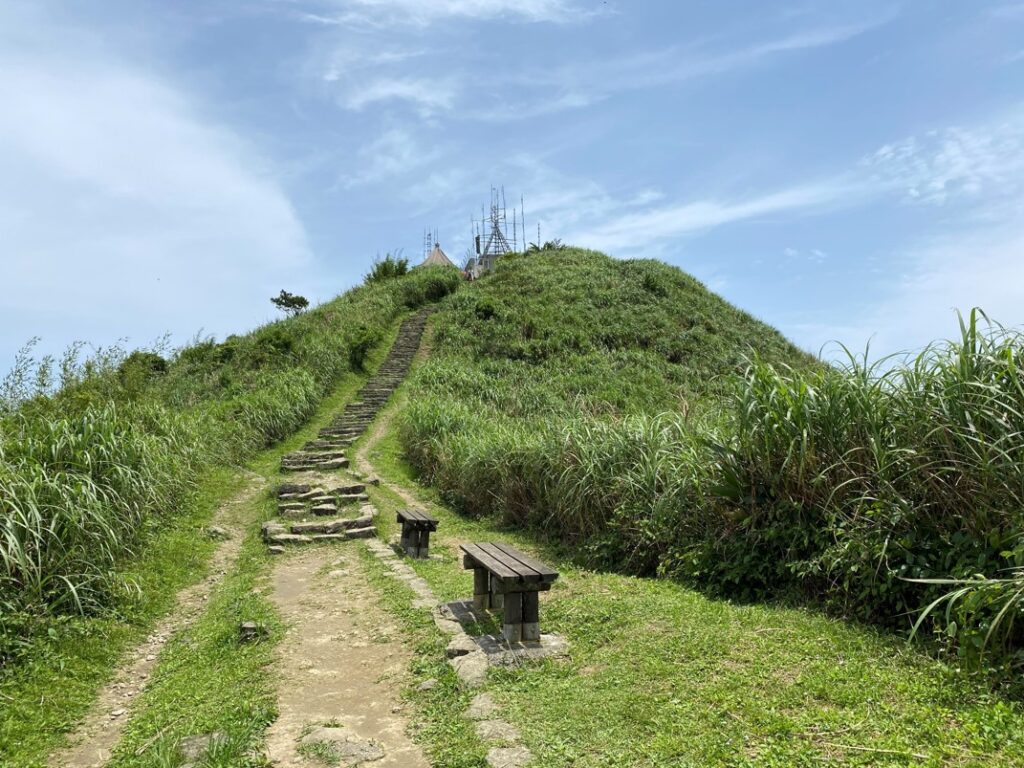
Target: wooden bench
(416,529)
(505,579)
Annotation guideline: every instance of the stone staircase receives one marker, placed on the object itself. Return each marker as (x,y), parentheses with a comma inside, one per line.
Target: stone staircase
(311,509)
(309,513)
(327,452)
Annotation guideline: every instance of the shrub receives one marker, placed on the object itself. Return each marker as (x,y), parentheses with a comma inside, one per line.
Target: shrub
(387,268)
(359,348)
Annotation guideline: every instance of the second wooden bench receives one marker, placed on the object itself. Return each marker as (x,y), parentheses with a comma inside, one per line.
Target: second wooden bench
(416,529)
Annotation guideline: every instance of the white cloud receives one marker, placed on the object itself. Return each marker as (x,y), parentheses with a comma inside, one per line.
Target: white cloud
(382,13)
(954,163)
(582,84)
(428,96)
(636,229)
(397,152)
(974,267)
(125,212)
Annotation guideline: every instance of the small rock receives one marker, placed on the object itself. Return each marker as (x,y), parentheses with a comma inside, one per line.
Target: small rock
(508,757)
(275,549)
(497,731)
(471,668)
(427,685)
(461,645)
(250,631)
(373,480)
(117,713)
(350,750)
(194,748)
(482,707)
(216,532)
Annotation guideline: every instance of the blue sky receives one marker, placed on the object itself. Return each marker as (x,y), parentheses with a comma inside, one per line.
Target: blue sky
(842,170)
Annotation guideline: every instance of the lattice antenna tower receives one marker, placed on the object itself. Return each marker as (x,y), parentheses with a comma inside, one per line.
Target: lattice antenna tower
(491,232)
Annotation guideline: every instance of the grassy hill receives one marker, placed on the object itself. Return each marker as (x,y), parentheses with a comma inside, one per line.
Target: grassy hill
(625,411)
(98,456)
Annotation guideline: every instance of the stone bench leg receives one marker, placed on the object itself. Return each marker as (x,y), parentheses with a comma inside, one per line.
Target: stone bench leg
(408,539)
(512,630)
(481,589)
(497,598)
(423,548)
(531,617)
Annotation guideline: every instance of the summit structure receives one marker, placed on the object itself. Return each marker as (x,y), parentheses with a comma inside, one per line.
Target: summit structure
(437,258)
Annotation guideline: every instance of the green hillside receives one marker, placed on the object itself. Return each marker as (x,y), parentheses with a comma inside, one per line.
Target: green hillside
(648,426)
(98,455)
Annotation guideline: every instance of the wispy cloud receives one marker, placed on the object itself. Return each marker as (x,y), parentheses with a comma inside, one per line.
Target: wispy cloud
(397,152)
(428,96)
(119,200)
(640,228)
(1007,11)
(388,13)
(954,162)
(972,267)
(981,165)
(585,83)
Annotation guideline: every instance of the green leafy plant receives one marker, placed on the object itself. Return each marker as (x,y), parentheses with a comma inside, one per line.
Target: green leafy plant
(388,268)
(290,303)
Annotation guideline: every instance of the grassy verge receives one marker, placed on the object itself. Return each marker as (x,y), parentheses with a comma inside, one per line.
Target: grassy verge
(44,697)
(201,677)
(660,675)
(206,681)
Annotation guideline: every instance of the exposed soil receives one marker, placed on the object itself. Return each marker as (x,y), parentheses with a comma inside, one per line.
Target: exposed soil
(94,739)
(340,664)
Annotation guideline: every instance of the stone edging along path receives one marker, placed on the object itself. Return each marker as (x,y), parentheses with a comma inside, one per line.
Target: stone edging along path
(469,661)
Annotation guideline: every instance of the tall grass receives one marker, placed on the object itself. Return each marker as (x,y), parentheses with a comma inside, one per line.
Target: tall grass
(95,454)
(561,397)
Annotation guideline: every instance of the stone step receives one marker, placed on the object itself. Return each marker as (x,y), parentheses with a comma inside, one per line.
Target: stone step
(346,490)
(331,526)
(332,464)
(319,445)
(351,498)
(283,539)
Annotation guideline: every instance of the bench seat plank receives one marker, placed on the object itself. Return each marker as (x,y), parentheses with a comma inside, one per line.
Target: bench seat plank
(523,572)
(417,519)
(476,555)
(546,572)
(507,564)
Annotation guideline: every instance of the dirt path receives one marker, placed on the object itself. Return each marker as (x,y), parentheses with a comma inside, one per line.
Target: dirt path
(342,662)
(94,739)
(341,666)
